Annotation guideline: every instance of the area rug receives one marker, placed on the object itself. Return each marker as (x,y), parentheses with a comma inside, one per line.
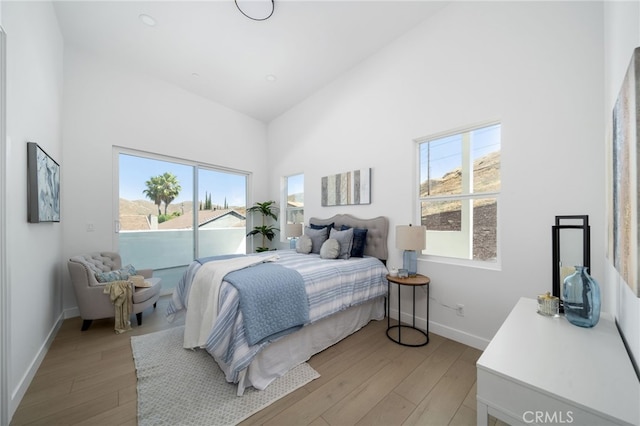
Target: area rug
(177,386)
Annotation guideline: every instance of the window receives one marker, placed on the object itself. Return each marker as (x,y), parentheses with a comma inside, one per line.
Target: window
(172,211)
(294,190)
(459,187)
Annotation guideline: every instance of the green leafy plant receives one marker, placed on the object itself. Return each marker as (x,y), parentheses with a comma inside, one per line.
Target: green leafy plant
(267,211)
(163,188)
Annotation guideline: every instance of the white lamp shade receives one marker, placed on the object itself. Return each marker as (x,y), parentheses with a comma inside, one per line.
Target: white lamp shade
(411,237)
(293,229)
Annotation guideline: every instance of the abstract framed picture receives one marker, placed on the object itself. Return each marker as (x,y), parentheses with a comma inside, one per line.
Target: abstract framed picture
(347,188)
(625,183)
(43,186)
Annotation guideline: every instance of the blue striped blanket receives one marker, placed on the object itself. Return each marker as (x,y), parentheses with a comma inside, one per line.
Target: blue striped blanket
(273,300)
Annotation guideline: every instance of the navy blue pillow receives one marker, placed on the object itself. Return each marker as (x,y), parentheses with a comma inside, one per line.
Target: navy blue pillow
(329,226)
(359,240)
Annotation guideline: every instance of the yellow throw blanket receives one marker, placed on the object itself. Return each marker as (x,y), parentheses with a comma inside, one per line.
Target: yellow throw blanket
(121,295)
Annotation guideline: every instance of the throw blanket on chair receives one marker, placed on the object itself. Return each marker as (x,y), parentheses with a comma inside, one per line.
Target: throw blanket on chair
(121,295)
(273,300)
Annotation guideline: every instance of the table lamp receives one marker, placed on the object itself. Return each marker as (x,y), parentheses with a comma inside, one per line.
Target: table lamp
(293,231)
(411,239)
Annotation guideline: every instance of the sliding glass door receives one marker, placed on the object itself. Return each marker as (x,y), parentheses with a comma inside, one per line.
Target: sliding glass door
(222,211)
(172,211)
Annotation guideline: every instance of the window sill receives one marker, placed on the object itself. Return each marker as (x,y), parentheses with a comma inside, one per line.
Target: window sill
(478,264)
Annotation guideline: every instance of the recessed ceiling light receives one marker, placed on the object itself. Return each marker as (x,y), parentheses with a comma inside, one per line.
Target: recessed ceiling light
(147,20)
(271,77)
(195,75)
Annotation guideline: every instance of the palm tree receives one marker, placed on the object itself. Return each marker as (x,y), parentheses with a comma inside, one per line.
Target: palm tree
(153,191)
(169,189)
(267,231)
(164,188)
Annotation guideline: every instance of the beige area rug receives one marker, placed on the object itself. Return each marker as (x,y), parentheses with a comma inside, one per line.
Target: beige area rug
(177,386)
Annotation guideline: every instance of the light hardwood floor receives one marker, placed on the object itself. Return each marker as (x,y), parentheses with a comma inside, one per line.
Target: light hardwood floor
(88,378)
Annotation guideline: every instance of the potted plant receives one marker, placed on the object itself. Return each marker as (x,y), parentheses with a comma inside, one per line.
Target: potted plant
(266,210)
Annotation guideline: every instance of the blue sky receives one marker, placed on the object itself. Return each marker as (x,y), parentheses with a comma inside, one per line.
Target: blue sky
(135,171)
(446,151)
(295,184)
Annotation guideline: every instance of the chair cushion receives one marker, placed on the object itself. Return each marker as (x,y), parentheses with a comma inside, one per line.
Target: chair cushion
(145,293)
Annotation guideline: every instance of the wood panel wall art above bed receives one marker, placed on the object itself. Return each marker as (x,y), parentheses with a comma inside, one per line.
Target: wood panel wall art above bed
(306,304)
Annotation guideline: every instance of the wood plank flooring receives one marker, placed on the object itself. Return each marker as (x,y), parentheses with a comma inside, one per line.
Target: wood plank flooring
(88,378)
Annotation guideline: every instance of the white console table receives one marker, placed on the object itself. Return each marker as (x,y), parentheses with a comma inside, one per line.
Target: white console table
(545,370)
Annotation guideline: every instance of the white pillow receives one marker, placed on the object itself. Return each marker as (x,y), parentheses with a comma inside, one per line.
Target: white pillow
(303,245)
(330,249)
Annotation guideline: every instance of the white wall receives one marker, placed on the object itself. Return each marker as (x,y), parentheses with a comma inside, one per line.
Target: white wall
(34,106)
(622,36)
(537,67)
(106,106)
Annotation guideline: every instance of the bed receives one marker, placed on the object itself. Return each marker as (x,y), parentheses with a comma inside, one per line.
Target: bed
(343,295)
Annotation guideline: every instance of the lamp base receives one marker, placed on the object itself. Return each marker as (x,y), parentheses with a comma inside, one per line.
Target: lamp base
(292,242)
(410,262)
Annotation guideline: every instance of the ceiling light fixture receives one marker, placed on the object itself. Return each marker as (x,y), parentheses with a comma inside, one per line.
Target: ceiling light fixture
(147,20)
(271,77)
(258,10)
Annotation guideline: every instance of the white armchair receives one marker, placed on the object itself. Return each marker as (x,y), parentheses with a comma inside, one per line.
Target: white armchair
(93,303)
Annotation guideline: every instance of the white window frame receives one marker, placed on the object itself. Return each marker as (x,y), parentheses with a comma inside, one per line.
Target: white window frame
(284,185)
(117,150)
(491,265)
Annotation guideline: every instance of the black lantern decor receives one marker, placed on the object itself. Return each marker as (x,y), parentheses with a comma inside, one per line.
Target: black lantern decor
(571,239)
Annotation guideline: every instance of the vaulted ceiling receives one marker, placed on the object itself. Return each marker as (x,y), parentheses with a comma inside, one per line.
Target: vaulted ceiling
(260,68)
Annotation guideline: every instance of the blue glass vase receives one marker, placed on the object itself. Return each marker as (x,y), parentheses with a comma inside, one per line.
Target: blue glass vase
(581,298)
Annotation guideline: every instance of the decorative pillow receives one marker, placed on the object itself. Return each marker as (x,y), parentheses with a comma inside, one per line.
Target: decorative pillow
(328,226)
(304,244)
(330,249)
(345,238)
(318,237)
(118,275)
(359,240)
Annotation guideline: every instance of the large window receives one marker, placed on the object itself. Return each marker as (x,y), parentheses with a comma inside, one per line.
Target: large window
(459,189)
(172,211)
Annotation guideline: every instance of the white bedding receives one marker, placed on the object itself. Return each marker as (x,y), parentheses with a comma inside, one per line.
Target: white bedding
(334,287)
(294,349)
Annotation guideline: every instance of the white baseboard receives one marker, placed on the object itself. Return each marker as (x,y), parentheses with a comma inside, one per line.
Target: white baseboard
(71,313)
(20,390)
(444,331)
(459,336)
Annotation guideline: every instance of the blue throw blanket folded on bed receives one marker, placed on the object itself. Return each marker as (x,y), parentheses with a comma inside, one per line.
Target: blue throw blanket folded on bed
(273,300)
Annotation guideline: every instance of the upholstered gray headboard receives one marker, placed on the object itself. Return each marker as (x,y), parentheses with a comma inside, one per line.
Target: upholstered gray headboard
(377,234)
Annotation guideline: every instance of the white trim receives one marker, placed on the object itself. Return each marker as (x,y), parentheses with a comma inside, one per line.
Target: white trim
(442,330)
(27,378)
(4,264)
(459,129)
(418,200)
(284,202)
(196,166)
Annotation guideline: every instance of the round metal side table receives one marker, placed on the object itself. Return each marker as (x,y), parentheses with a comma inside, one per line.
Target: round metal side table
(417,281)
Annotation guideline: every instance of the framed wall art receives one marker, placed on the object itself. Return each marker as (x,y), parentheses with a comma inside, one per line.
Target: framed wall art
(624,185)
(347,188)
(43,186)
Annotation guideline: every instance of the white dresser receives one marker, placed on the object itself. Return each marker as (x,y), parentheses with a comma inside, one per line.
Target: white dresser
(545,370)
